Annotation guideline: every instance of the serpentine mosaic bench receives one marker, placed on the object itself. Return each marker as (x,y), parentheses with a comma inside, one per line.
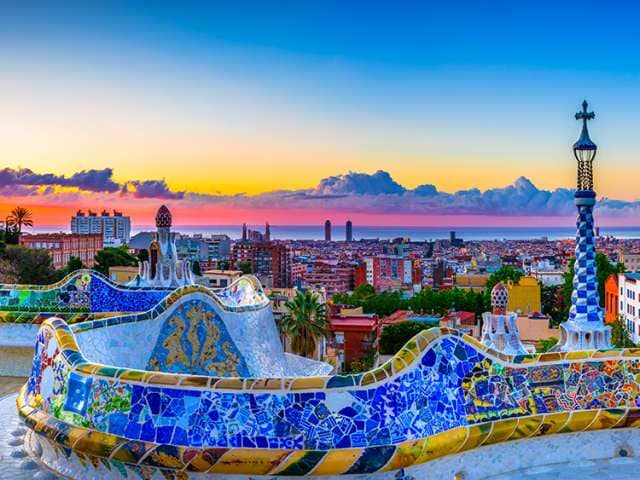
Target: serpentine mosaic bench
(172,404)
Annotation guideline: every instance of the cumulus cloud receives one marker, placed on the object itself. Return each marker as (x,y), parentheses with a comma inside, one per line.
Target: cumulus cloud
(376,193)
(153,189)
(359,184)
(89,180)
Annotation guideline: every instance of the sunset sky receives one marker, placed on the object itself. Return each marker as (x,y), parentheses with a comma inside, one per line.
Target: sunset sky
(285,111)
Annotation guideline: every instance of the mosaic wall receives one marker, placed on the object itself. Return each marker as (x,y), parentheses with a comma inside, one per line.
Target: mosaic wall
(195,340)
(87,291)
(442,393)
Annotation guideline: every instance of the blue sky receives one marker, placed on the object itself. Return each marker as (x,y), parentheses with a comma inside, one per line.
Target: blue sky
(456,94)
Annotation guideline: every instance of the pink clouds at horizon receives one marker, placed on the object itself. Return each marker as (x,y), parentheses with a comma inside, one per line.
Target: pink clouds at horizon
(366,199)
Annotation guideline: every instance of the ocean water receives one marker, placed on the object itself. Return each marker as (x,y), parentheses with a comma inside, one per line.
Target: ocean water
(316,232)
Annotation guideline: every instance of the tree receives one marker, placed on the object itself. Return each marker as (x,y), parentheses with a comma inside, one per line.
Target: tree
(28,265)
(195,268)
(73,264)
(245,267)
(305,322)
(553,303)
(546,344)
(395,336)
(113,257)
(20,217)
(143,255)
(620,336)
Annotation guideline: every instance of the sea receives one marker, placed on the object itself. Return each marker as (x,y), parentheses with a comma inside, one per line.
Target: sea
(316,232)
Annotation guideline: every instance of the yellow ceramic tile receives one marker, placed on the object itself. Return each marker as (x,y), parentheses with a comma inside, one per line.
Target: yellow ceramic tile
(336,462)
(607,419)
(579,421)
(553,423)
(527,427)
(293,458)
(229,384)
(406,454)
(578,355)
(477,435)
(501,431)
(249,461)
(307,383)
(444,443)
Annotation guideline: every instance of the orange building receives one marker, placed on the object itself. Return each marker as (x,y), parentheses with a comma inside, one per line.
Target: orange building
(611,298)
(63,246)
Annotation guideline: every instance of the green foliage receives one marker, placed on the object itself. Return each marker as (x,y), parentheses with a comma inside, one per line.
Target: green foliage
(305,322)
(546,344)
(18,218)
(553,303)
(245,267)
(424,302)
(620,335)
(361,365)
(27,265)
(396,335)
(195,268)
(143,255)
(74,264)
(113,257)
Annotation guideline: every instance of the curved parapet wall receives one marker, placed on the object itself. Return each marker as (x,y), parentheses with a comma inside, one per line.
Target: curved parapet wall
(442,393)
(86,292)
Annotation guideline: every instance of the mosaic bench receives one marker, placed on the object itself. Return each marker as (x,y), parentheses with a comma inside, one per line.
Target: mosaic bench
(159,416)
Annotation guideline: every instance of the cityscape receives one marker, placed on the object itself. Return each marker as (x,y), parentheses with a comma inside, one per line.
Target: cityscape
(286,240)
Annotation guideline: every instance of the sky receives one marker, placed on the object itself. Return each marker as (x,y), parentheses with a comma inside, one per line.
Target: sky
(388,113)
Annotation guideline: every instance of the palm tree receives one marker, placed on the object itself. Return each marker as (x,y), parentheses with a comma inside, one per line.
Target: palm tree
(305,322)
(20,217)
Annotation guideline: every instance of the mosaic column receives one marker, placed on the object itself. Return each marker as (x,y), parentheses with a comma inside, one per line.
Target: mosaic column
(585,328)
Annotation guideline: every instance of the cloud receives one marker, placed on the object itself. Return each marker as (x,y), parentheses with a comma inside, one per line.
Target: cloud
(359,184)
(153,189)
(376,193)
(89,180)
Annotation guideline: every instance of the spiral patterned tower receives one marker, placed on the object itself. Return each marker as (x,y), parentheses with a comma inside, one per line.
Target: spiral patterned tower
(585,327)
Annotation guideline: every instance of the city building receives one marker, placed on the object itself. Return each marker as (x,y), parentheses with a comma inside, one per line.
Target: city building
(115,229)
(611,298)
(349,231)
(354,335)
(270,262)
(525,297)
(533,328)
(123,274)
(631,260)
(471,281)
(629,303)
(392,272)
(219,247)
(327,231)
(221,278)
(332,275)
(63,246)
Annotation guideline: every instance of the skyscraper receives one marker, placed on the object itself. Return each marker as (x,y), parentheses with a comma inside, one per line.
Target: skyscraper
(327,231)
(349,231)
(115,229)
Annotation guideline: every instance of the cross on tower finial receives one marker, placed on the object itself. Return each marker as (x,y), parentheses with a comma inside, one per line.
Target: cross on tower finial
(584,115)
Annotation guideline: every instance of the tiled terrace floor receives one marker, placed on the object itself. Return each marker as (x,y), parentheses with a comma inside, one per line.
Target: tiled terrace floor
(10,385)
